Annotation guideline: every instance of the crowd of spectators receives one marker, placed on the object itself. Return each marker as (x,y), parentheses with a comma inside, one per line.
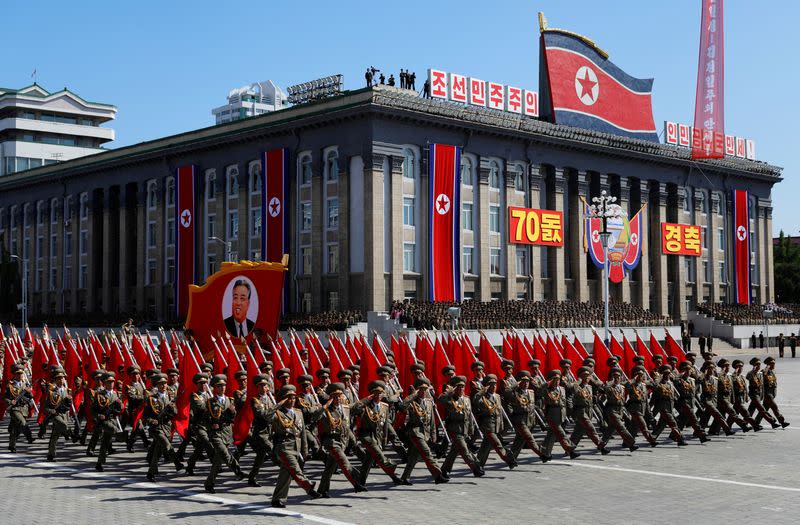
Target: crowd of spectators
(740,314)
(523,314)
(322,321)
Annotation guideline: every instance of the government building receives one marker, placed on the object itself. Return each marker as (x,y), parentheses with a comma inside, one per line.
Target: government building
(98,232)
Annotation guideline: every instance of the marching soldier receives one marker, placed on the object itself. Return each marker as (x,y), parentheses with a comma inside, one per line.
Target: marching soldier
(637,405)
(420,427)
(522,401)
(686,402)
(312,410)
(220,412)
(197,430)
(136,397)
(91,393)
(373,422)
(173,376)
(458,423)
(709,387)
(725,399)
(289,437)
(771,390)
(57,405)
(158,413)
(614,411)
(489,411)
(350,393)
(740,396)
(264,407)
(663,399)
(18,397)
(476,383)
(555,406)
(334,432)
(323,380)
(106,407)
(755,389)
(582,410)
(392,395)
(448,372)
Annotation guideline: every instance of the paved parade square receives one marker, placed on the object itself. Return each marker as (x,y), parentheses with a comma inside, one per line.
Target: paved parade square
(742,478)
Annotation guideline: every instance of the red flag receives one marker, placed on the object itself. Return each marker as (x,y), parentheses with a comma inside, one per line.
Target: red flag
(314,360)
(335,362)
(244,417)
(539,351)
(643,351)
(445,222)
(673,348)
(352,351)
(708,137)
(600,354)
(141,354)
(220,357)
(116,362)
(462,359)
(508,346)
(8,360)
(616,347)
(28,336)
(572,354)
(424,350)
(379,347)
(439,361)
(627,355)
(395,345)
(404,359)
(490,357)
(553,357)
(189,367)
(367,370)
(166,355)
(277,361)
(655,347)
(579,347)
(340,348)
(234,365)
(184,237)
(741,245)
(296,366)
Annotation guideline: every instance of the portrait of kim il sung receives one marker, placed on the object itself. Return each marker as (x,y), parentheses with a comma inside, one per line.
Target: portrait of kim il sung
(240,307)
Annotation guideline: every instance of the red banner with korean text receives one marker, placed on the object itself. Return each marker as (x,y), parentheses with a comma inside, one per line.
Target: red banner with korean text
(680,239)
(241,299)
(184,237)
(530,226)
(741,245)
(445,223)
(708,136)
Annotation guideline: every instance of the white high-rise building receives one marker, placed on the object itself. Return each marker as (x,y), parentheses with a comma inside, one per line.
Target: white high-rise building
(39,128)
(250,101)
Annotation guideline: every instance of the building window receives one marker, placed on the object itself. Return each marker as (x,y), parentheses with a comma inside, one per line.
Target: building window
(13,219)
(255,177)
(233,182)
(84,206)
(212,265)
(170,271)
(494,175)
(39,247)
(333,301)
(37,283)
(466,216)
(409,257)
(255,255)
(255,222)
(468,260)
(53,278)
(706,272)
(408,164)
(67,209)
(519,178)
(305,219)
(53,211)
(466,171)
(689,267)
(68,243)
(723,277)
(333,213)
(306,303)
(151,234)
(152,195)
(40,213)
(83,277)
(211,183)
(67,277)
(522,260)
(333,258)
(53,246)
(305,171)
(170,191)
(151,272)
(408,211)
(211,225)
(720,239)
(494,219)
(233,225)
(83,241)
(170,232)
(494,261)
(305,260)
(332,166)
(703,235)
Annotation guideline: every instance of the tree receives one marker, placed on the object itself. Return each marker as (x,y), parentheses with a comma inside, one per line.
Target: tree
(787,270)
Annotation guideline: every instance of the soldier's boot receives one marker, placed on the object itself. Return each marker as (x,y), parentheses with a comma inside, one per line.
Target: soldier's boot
(190,466)
(173,457)
(28,435)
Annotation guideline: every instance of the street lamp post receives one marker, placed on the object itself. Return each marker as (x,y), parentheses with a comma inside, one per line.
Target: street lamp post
(24,305)
(226,244)
(604,208)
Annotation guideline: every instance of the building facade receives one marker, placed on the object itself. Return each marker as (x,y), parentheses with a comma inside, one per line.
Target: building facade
(39,128)
(251,101)
(98,232)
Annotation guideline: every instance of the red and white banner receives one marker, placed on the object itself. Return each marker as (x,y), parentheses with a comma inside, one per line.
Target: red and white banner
(184,237)
(741,245)
(708,139)
(445,223)
(274,196)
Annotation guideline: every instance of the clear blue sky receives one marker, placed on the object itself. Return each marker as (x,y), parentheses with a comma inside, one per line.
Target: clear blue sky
(165,64)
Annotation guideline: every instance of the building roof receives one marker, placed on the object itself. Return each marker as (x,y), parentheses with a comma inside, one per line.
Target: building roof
(36,91)
(402,103)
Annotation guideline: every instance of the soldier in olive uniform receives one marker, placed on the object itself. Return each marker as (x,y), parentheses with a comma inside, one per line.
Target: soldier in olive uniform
(289,437)
(373,421)
(106,407)
(637,405)
(18,397)
(264,407)
(614,411)
(57,406)
(173,383)
(583,409)
(555,406)
(158,414)
(740,396)
(488,410)
(136,393)
(755,389)
(771,391)
(458,423)
(91,392)
(197,430)
(725,399)
(219,416)
(334,432)
(420,427)
(663,400)
(344,377)
(312,410)
(323,380)
(709,394)
(686,401)
(522,402)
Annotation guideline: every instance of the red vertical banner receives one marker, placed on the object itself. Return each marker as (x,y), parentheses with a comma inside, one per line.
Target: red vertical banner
(184,237)
(274,197)
(708,139)
(444,165)
(741,245)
